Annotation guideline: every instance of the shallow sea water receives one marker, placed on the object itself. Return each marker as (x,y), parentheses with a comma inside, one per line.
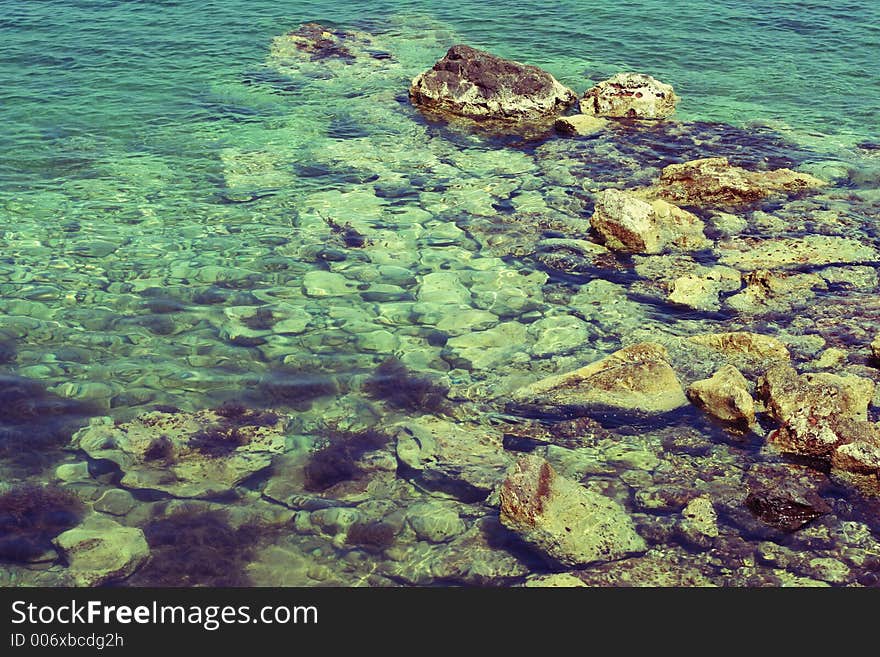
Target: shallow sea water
(169,187)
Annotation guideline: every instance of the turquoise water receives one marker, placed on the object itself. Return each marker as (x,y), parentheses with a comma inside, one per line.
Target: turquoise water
(165,185)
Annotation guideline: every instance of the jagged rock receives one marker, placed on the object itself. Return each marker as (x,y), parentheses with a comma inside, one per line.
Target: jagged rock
(466,460)
(629,224)
(313,42)
(747,351)
(475,84)
(100,550)
(700,292)
(792,252)
(186,454)
(655,569)
(562,520)
(637,379)
(725,396)
(817,412)
(715,182)
(630,95)
(581,125)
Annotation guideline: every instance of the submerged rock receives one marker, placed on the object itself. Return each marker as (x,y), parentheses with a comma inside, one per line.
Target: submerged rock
(465,460)
(561,519)
(475,84)
(629,224)
(751,352)
(725,396)
(100,550)
(580,125)
(631,96)
(637,379)
(186,454)
(791,252)
(715,182)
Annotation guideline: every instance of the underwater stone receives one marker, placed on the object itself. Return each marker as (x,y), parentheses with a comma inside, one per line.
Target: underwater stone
(725,396)
(198,454)
(475,84)
(480,350)
(637,379)
(558,334)
(750,254)
(562,520)
(581,125)
(434,522)
(630,95)
(556,580)
(100,550)
(772,291)
(466,460)
(327,284)
(116,502)
(699,522)
(747,351)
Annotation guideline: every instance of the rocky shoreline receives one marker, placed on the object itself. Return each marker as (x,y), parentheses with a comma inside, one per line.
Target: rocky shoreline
(618,350)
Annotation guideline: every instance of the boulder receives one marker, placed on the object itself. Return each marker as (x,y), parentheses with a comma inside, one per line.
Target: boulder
(715,182)
(630,96)
(100,550)
(200,454)
(629,224)
(637,379)
(725,396)
(475,84)
(817,412)
(580,125)
(566,523)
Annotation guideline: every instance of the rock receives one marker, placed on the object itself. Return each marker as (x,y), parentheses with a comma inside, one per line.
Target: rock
(556,580)
(562,520)
(747,351)
(697,292)
(630,95)
(327,284)
(73,472)
(725,396)
(480,350)
(831,357)
(794,252)
(434,522)
(629,224)
(581,125)
(656,569)
(714,182)
(116,502)
(100,550)
(772,291)
(478,557)
(558,334)
(875,347)
(699,522)
(198,454)
(475,84)
(817,412)
(465,460)
(312,41)
(637,379)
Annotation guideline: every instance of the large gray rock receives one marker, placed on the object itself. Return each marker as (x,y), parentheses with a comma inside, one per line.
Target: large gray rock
(561,519)
(100,550)
(632,225)
(475,84)
(630,95)
(637,379)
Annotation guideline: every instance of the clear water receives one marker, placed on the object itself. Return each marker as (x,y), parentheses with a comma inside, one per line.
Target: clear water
(158,182)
